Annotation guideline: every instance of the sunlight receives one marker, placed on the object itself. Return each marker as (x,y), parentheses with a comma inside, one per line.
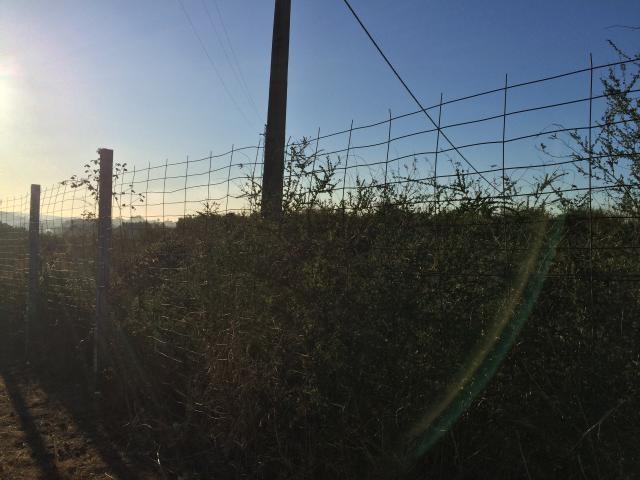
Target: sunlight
(9,73)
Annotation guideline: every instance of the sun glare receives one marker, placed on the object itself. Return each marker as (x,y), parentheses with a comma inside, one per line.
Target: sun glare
(9,73)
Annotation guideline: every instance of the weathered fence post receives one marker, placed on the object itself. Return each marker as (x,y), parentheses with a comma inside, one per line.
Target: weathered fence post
(33,298)
(105,192)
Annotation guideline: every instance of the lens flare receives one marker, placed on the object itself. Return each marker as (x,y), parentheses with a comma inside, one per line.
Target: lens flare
(490,353)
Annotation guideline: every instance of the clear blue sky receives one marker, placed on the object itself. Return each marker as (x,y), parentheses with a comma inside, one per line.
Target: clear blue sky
(76,75)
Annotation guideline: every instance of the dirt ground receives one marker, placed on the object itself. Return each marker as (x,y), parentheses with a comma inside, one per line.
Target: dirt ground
(55,434)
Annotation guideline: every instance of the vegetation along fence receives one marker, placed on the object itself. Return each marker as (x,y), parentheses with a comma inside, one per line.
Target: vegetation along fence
(359,331)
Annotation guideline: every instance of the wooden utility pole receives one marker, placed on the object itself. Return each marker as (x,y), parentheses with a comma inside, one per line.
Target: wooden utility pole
(273,177)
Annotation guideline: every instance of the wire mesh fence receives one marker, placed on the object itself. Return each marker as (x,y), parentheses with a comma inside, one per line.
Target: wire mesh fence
(527,144)
(68,252)
(393,232)
(14,257)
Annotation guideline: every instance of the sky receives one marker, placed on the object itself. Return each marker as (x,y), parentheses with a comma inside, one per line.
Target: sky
(132,75)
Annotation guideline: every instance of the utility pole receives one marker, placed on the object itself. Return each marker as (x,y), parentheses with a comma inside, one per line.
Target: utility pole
(273,177)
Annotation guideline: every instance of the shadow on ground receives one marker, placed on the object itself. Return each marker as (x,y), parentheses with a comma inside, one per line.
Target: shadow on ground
(60,431)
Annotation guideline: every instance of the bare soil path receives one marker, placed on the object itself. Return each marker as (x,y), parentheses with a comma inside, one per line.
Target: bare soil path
(56,434)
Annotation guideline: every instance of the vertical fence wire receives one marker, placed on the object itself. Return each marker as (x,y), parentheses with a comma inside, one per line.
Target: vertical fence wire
(164,192)
(186,182)
(346,167)
(226,207)
(590,153)
(436,190)
(146,194)
(504,181)
(386,158)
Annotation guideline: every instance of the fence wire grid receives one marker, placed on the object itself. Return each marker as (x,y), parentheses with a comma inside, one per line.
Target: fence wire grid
(515,159)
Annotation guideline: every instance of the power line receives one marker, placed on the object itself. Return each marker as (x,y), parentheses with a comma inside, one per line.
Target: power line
(237,73)
(213,64)
(234,57)
(415,99)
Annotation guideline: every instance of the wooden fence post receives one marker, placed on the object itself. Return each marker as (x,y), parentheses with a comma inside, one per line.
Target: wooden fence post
(33,295)
(105,193)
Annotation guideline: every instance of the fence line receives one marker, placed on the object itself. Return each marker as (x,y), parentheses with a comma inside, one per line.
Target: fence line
(364,169)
